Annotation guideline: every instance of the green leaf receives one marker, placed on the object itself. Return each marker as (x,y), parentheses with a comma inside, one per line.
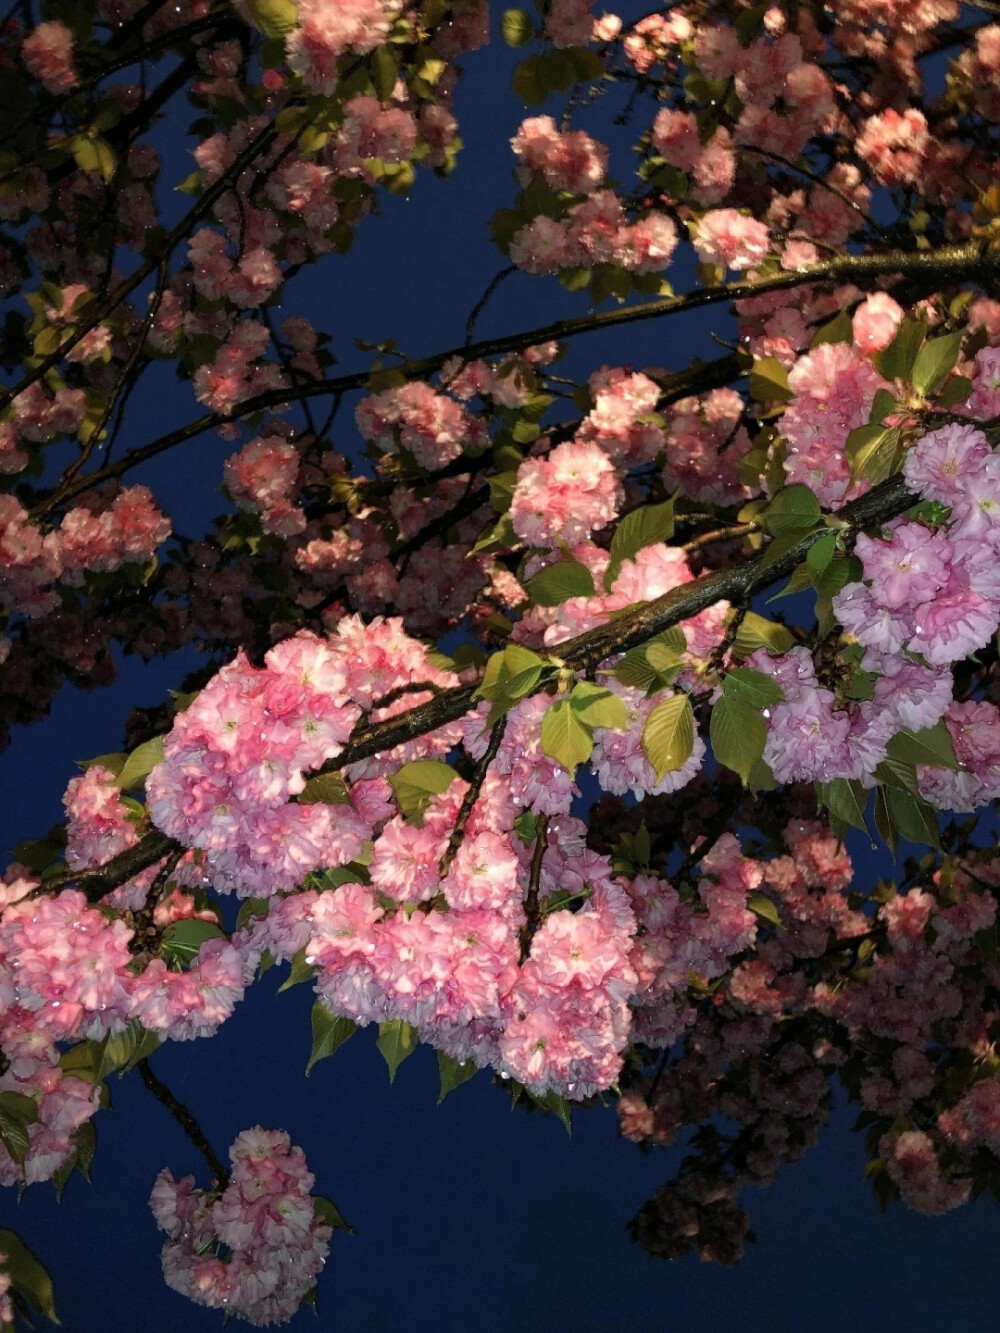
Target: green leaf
(874,452)
(821,553)
(885,824)
(655,665)
(668,736)
(643,527)
(845,799)
(325,789)
(557,1106)
(761,905)
(113,762)
(27,1275)
(299,971)
(557,583)
(384,72)
(935,361)
(183,939)
(526,827)
(140,763)
(574,279)
(932,746)
(122,1051)
(793,510)
(329,1031)
(396,1040)
(756,689)
(251,910)
(955,391)
(86,1147)
(94,156)
(895,774)
(327,1211)
(501,537)
(17,1112)
(913,817)
(517,27)
(453,1073)
(768,381)
(896,361)
(415,783)
(598,707)
(274,18)
(510,675)
(564,737)
(81,1061)
(758,632)
(738,735)
(840,329)
(558,69)
(529,81)
(883,404)
(586,64)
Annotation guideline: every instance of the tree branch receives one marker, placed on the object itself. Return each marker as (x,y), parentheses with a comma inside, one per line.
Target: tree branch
(186,1121)
(582,653)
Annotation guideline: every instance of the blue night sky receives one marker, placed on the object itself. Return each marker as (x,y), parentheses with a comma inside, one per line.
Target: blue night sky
(468,1216)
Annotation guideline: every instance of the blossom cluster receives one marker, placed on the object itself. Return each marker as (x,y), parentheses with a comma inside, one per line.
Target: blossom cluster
(253,1248)
(238,754)
(93,536)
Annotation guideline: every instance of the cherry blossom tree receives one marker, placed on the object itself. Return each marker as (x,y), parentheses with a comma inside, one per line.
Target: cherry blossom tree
(505,740)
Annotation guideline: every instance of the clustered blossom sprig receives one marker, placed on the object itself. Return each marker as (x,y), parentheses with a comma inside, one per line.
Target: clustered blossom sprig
(254,1248)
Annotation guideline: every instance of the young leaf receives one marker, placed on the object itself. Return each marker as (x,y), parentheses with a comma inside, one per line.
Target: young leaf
(510,674)
(17,1112)
(396,1040)
(768,380)
(384,72)
(793,510)
(668,736)
(274,18)
(517,27)
(140,763)
(598,707)
(738,734)
(643,527)
(565,737)
(329,1031)
(758,632)
(932,746)
(299,971)
(415,783)
(896,361)
(183,939)
(27,1275)
(744,685)
(453,1073)
(913,817)
(761,905)
(327,1211)
(557,583)
(935,361)
(845,799)
(326,789)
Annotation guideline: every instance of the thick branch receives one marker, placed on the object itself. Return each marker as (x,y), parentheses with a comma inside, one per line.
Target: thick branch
(641,622)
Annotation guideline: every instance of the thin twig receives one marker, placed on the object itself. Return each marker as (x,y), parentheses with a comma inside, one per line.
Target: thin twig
(186,1121)
(531,913)
(472,795)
